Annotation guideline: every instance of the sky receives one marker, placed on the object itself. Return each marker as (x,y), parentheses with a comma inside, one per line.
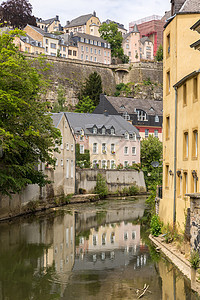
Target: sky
(121,11)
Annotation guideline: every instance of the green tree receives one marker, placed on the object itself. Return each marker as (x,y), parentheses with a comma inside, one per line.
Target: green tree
(159,53)
(101,186)
(110,33)
(27,134)
(85,105)
(92,88)
(59,104)
(151,150)
(82,159)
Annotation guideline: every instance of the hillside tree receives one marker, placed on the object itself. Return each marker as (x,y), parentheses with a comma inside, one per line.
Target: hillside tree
(159,53)
(16,13)
(27,134)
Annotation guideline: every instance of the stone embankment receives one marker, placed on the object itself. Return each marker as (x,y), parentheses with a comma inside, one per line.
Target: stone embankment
(177,258)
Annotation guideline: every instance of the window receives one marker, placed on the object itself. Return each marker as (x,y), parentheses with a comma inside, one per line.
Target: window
(112,148)
(112,237)
(81,149)
(125,236)
(64,48)
(133,235)
(146,133)
(46,49)
(195,89)
(47,41)
(67,169)
(103,130)
(141,115)
(126,136)
(72,168)
(99,52)
(166,176)
(82,48)
(126,150)
(95,51)
(61,162)
(90,58)
(112,131)
(82,40)
(95,43)
(194,181)
(126,116)
(53,54)
(127,46)
(91,42)
(185,183)
(125,164)
(156,133)
(94,130)
(94,164)
(53,46)
(167,127)
(168,83)
(195,144)
(95,148)
(168,45)
(72,147)
(104,148)
(95,59)
(81,138)
(91,50)
(133,150)
(86,57)
(103,239)
(103,164)
(129,53)
(156,119)
(185,145)
(74,53)
(82,56)
(94,240)
(86,49)
(112,164)
(184,94)
(67,146)
(104,53)
(69,52)
(99,44)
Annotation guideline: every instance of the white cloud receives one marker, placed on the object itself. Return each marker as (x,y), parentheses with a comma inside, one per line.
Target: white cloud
(120,11)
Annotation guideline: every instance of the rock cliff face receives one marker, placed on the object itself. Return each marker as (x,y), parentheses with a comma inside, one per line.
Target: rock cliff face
(70,74)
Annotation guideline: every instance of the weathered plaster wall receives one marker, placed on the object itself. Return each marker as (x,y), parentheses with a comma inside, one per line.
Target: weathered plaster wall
(115,179)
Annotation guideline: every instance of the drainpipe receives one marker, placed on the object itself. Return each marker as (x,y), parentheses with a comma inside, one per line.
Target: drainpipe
(175,153)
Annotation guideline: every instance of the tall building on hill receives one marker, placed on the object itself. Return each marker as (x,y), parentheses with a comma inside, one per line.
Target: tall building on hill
(152,27)
(181,106)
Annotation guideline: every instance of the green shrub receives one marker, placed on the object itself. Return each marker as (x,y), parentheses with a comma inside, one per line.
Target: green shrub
(101,188)
(194,259)
(133,190)
(155,225)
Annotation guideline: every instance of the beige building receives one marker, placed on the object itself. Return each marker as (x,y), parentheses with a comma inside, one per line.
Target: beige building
(181,105)
(119,26)
(131,45)
(146,49)
(50,25)
(63,177)
(27,44)
(88,24)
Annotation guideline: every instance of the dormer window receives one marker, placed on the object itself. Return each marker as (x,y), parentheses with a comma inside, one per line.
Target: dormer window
(134,137)
(126,116)
(156,119)
(103,130)
(141,114)
(94,131)
(112,131)
(151,109)
(126,136)
(122,106)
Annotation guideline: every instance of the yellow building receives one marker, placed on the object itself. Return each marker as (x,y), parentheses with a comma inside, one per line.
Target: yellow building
(88,24)
(50,25)
(181,106)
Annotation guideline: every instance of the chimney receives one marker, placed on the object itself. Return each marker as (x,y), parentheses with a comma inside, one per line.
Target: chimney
(94,13)
(57,18)
(67,22)
(45,29)
(105,113)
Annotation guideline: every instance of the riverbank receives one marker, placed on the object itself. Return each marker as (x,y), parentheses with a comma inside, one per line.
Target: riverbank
(177,258)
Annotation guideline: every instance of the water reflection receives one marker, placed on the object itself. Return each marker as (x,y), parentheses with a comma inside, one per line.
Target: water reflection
(90,252)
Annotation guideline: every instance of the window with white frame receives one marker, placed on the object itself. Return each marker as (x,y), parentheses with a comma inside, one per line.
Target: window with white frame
(94,130)
(95,51)
(156,133)
(91,50)
(126,136)
(112,148)
(99,44)
(67,146)
(99,52)
(86,49)
(61,162)
(103,130)
(90,58)
(56,161)
(95,148)
(125,150)
(72,147)
(81,56)
(133,150)
(126,116)
(112,164)
(146,133)
(82,48)
(86,57)
(104,148)
(156,119)
(103,164)
(72,168)
(141,114)
(91,42)
(86,40)
(62,146)
(67,169)
(112,131)
(81,149)
(134,137)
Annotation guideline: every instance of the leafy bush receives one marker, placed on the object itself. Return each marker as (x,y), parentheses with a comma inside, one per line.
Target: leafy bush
(133,190)
(155,226)
(101,186)
(194,259)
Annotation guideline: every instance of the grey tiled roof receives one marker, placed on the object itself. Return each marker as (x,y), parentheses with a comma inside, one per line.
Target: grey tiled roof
(56,118)
(135,29)
(90,37)
(145,39)
(49,21)
(130,104)
(190,6)
(79,21)
(86,121)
